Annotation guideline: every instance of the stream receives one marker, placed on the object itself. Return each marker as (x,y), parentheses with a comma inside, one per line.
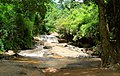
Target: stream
(55,61)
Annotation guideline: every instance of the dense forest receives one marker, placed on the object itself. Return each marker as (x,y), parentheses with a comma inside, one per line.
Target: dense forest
(96,20)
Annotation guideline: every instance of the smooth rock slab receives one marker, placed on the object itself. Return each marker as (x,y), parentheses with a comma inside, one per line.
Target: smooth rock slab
(65,52)
(14,69)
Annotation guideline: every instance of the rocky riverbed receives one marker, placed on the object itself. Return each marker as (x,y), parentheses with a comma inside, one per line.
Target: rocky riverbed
(53,61)
(58,50)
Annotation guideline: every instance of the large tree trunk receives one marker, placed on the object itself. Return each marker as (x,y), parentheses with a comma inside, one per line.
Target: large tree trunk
(104,36)
(113,16)
(116,6)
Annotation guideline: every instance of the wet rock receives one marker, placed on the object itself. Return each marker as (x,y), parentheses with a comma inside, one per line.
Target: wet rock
(10,52)
(47,47)
(50,70)
(62,44)
(115,66)
(1,56)
(49,38)
(62,40)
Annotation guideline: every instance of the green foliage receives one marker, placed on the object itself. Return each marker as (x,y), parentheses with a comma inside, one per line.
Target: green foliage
(80,20)
(7,16)
(24,30)
(21,20)
(89,21)
(18,22)
(52,14)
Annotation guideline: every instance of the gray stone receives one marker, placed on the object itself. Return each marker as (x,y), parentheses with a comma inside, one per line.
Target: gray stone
(8,68)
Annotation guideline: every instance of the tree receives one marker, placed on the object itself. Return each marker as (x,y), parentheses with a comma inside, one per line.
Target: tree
(117,26)
(104,35)
(19,22)
(114,21)
(7,26)
(74,23)
(109,19)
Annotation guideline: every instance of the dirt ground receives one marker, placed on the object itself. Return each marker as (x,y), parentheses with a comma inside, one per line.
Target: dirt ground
(85,72)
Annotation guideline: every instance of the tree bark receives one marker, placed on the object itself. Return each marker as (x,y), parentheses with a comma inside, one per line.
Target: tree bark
(104,35)
(116,6)
(113,16)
